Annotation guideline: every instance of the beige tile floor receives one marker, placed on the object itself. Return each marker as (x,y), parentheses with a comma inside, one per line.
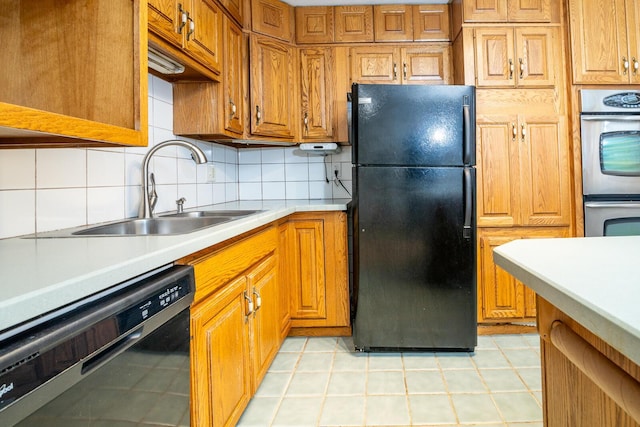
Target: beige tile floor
(322,382)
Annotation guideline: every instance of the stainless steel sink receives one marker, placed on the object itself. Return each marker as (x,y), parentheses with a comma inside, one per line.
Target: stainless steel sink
(154,226)
(216,213)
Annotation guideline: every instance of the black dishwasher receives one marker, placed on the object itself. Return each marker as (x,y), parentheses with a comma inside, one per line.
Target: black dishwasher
(120,357)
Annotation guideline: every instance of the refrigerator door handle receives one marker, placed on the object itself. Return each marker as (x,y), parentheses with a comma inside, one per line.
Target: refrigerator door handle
(467,132)
(468,204)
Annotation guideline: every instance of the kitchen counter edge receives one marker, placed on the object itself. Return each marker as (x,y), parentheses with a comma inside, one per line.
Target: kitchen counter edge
(41,275)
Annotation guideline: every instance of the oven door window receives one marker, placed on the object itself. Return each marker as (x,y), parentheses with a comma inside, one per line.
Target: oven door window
(620,153)
(622,227)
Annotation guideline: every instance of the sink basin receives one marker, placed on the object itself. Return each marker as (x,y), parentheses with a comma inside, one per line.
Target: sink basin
(154,226)
(216,213)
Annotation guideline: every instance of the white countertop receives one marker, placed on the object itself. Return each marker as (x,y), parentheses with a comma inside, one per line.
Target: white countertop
(40,275)
(594,280)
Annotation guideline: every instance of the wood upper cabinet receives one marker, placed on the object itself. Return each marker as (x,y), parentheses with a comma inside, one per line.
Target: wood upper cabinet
(317,74)
(234,99)
(193,27)
(431,22)
(64,84)
(272,18)
(234,7)
(605,41)
(272,77)
(523,171)
(392,23)
(507,10)
(500,296)
(395,65)
(314,24)
(318,270)
(353,24)
(520,57)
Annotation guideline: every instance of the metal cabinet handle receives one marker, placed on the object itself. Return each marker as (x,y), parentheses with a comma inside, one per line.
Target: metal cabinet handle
(233,108)
(258,299)
(523,132)
(521,68)
(511,68)
(404,70)
(258,114)
(625,65)
(250,310)
(305,120)
(514,132)
(636,65)
(395,71)
(192,28)
(184,17)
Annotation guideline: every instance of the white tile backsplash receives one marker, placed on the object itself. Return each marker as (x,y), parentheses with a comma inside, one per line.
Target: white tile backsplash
(49,189)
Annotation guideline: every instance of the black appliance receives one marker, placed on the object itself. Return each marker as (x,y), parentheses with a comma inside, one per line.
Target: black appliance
(414,229)
(120,357)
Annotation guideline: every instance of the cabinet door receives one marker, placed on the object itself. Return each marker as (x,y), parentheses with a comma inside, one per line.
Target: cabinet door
(426,65)
(271,83)
(316,93)
(535,61)
(431,22)
(262,284)
(220,357)
(165,20)
(392,23)
(633,21)
(273,18)
(529,10)
(234,7)
(375,65)
(284,279)
(234,100)
(204,34)
(354,24)
(307,269)
(314,24)
(544,170)
(502,295)
(484,10)
(498,171)
(495,65)
(599,41)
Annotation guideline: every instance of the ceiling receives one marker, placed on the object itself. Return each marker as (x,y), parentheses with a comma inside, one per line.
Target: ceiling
(352,2)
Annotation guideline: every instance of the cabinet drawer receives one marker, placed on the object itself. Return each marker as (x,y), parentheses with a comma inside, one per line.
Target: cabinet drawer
(215,270)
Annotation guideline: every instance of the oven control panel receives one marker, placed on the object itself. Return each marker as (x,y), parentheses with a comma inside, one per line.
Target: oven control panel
(623,100)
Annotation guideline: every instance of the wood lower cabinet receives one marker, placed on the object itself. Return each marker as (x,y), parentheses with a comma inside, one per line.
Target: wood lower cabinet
(401,65)
(502,298)
(64,82)
(318,273)
(605,42)
(523,175)
(235,320)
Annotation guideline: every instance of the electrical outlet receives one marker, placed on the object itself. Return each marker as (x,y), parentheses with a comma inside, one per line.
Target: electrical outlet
(336,170)
(211,173)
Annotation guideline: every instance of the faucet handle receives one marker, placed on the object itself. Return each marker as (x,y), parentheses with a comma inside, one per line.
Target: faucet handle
(180,204)
(153,196)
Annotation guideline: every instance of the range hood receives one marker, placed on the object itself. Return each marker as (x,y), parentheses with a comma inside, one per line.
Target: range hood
(162,63)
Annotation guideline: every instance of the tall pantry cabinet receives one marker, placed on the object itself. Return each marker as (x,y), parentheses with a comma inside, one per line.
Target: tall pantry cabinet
(523,146)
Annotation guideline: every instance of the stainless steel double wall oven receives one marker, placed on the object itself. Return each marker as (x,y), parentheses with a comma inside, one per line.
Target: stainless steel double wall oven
(610,134)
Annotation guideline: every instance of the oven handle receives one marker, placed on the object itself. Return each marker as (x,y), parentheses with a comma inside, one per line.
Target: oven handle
(611,118)
(624,205)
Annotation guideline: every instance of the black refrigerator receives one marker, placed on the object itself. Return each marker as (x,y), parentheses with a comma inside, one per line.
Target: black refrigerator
(414,230)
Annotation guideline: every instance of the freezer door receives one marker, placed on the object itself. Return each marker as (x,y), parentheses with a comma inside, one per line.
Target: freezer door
(413,125)
(415,265)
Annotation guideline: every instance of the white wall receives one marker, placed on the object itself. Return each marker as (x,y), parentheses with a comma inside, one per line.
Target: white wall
(49,189)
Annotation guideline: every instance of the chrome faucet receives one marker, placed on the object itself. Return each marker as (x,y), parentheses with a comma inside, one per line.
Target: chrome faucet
(146,208)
